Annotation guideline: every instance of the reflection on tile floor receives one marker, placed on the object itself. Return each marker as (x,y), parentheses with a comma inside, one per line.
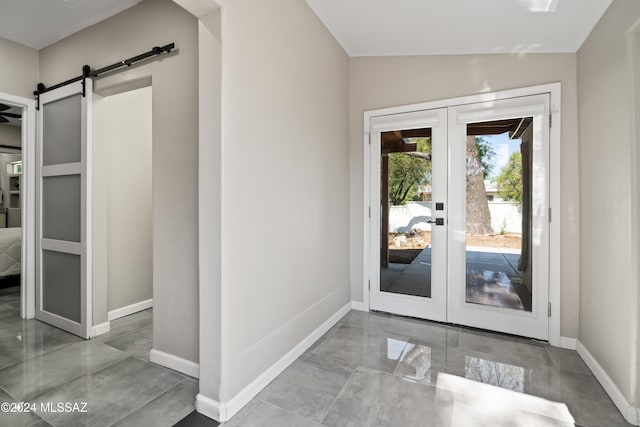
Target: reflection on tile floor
(40,363)
(492,279)
(369,370)
(380,370)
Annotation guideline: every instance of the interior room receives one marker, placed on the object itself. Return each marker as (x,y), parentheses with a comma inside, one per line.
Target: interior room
(10,211)
(319,213)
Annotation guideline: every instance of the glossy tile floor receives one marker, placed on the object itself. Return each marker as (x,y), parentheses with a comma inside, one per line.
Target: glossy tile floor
(381,370)
(368,370)
(111,373)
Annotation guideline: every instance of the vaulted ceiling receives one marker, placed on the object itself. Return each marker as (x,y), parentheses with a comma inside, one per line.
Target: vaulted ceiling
(39,23)
(365,27)
(446,27)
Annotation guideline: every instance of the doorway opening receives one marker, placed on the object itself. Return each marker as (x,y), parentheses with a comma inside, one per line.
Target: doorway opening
(498,230)
(459,228)
(11,203)
(94,252)
(122,226)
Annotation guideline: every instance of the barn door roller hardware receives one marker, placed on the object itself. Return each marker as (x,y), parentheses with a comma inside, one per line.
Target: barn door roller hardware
(87,73)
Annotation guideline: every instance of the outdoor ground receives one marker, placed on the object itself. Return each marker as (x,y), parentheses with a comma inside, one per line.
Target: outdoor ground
(403,247)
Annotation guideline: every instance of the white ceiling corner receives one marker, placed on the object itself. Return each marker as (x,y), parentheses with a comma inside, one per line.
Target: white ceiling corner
(199,8)
(437,27)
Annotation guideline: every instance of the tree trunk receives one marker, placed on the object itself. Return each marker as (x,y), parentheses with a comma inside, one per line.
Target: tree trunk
(478,215)
(384,220)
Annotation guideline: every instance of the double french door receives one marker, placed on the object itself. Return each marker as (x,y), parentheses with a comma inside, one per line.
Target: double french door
(462,230)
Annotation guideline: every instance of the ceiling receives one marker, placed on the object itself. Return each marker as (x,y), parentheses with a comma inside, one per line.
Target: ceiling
(365,27)
(447,27)
(39,23)
(12,121)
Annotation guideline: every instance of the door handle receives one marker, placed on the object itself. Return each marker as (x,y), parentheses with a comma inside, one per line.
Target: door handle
(438,221)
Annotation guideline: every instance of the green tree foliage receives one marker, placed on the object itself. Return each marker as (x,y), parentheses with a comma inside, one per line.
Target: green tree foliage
(509,182)
(486,155)
(407,171)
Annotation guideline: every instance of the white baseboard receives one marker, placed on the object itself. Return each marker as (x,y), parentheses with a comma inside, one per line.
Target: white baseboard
(211,408)
(629,412)
(174,362)
(100,329)
(358,305)
(568,343)
(222,411)
(129,309)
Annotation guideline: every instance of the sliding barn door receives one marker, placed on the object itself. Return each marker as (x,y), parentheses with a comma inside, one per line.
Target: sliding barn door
(63,291)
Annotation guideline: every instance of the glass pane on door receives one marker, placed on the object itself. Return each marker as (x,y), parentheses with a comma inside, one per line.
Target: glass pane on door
(61,208)
(62,131)
(406,212)
(498,213)
(62,284)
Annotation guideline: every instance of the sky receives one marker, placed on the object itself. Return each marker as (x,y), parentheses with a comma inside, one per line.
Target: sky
(504,147)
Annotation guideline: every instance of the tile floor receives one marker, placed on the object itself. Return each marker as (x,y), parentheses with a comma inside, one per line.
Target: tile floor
(370,369)
(111,373)
(382,370)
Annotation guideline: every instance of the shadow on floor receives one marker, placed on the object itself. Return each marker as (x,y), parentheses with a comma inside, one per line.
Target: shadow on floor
(196,419)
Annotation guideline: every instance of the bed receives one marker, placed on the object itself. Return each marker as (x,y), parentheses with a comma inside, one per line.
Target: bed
(10,251)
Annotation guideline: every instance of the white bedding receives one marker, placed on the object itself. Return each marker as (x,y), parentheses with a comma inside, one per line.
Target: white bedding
(10,251)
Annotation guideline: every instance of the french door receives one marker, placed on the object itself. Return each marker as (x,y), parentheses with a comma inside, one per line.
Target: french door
(462,230)
(63,289)
(411,140)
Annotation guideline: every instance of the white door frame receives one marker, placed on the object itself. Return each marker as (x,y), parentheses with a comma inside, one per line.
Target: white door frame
(28,134)
(554,91)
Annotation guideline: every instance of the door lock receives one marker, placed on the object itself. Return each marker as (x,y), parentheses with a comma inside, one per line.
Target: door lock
(438,221)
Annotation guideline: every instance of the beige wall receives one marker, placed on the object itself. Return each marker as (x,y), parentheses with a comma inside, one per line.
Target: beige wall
(122,205)
(6,157)
(608,276)
(129,146)
(635,199)
(175,146)
(10,135)
(19,70)
(284,152)
(379,82)
(209,207)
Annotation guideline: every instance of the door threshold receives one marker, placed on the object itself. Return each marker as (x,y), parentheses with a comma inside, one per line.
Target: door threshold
(456,325)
